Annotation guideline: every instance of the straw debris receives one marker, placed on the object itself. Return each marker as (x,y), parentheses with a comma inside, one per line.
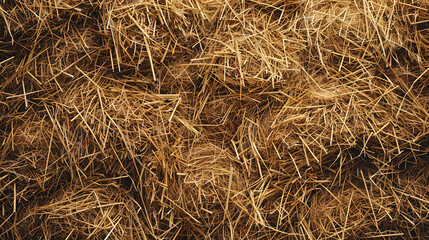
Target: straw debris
(214,119)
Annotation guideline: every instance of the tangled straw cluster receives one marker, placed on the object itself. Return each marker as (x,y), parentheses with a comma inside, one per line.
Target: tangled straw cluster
(214,119)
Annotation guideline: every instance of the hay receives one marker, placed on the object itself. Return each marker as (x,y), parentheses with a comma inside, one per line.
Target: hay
(214,119)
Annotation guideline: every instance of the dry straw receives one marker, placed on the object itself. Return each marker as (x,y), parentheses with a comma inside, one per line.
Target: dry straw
(214,119)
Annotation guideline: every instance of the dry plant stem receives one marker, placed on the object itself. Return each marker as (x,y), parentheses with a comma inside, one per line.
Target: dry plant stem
(214,119)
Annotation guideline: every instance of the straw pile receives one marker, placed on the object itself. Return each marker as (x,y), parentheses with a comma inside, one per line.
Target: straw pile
(214,119)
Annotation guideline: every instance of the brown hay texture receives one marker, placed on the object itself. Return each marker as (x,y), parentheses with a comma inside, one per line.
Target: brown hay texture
(214,119)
